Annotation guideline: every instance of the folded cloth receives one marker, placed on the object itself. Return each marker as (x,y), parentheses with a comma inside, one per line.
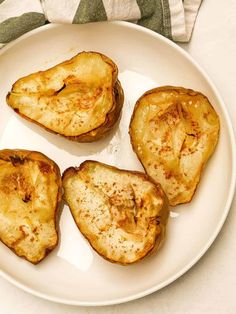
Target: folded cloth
(172,18)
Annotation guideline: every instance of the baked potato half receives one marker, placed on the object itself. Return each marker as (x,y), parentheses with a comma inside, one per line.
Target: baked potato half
(121,213)
(30,194)
(174,131)
(80,99)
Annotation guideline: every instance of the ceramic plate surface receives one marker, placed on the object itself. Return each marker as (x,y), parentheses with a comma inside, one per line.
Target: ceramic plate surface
(73,273)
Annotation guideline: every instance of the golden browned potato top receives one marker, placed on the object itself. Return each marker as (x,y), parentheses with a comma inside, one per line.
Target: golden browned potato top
(72,98)
(121,213)
(174,131)
(30,191)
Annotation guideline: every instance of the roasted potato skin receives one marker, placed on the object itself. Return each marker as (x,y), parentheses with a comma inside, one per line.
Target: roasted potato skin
(16,159)
(160,220)
(213,136)
(111,117)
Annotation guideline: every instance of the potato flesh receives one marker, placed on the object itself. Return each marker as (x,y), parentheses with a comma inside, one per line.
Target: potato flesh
(71,98)
(28,201)
(174,132)
(121,214)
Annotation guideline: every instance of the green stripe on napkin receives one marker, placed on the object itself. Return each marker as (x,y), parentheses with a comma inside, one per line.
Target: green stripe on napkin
(166,18)
(155,14)
(90,11)
(17,26)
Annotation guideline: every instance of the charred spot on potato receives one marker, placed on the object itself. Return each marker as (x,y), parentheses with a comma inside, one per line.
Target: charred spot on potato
(16,110)
(17,160)
(26,198)
(63,86)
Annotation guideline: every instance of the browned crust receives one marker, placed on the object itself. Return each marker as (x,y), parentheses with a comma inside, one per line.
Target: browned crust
(10,155)
(71,171)
(111,117)
(180,90)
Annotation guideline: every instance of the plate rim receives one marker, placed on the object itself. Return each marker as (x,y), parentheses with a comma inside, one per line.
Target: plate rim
(227,205)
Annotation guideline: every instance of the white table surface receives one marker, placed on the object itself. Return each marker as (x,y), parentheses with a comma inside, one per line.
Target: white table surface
(210,286)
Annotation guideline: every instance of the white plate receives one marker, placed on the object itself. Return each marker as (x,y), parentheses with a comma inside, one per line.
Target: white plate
(73,273)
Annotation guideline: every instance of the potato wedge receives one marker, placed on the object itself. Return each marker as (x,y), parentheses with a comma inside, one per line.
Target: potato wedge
(174,131)
(121,213)
(80,99)
(30,194)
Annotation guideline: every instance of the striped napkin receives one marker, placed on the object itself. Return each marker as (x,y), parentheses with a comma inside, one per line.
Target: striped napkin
(172,18)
